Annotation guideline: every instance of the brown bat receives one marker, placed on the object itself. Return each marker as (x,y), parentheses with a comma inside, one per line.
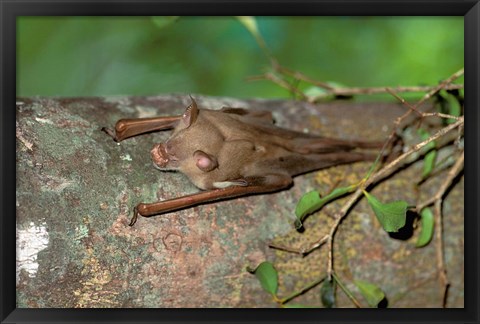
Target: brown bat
(234,152)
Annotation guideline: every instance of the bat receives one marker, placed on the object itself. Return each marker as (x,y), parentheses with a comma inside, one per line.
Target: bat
(234,152)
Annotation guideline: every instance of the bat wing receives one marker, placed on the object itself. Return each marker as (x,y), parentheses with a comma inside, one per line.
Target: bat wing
(304,143)
(260,115)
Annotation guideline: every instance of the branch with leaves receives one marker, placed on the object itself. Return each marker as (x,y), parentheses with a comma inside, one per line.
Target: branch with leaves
(392,216)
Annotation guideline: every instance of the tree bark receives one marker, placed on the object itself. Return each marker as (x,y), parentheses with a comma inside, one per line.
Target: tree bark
(76,189)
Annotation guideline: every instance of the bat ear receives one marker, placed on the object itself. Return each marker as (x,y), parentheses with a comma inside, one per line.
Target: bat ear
(204,161)
(190,114)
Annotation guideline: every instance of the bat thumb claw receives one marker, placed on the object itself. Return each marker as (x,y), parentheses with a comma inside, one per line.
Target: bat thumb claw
(134,218)
(110,132)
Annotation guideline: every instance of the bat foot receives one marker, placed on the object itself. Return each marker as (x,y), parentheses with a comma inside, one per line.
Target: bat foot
(134,218)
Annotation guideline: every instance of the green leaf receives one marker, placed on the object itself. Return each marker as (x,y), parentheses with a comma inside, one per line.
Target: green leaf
(453,107)
(337,85)
(430,157)
(307,204)
(426,232)
(392,216)
(429,163)
(163,21)
(373,294)
(268,277)
(327,293)
(316,92)
(311,202)
(450,104)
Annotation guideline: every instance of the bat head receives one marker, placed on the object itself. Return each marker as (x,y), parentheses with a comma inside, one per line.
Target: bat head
(192,145)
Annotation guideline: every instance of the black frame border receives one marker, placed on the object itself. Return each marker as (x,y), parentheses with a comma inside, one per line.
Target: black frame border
(10,9)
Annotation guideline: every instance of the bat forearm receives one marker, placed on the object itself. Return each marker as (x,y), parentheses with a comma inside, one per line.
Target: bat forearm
(271,183)
(126,128)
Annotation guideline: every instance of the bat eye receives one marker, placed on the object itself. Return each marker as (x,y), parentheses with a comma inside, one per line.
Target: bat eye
(204,161)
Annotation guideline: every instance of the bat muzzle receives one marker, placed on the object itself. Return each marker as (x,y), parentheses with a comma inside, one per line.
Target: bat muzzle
(160,156)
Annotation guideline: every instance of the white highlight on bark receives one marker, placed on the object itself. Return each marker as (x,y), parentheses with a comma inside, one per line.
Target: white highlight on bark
(30,241)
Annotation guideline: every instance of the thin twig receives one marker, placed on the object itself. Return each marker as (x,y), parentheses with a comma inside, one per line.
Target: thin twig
(452,174)
(403,101)
(437,201)
(441,115)
(301,251)
(421,114)
(351,91)
(440,166)
(442,85)
(284,84)
(303,77)
(442,271)
(301,291)
(379,90)
(437,88)
(346,291)
(387,170)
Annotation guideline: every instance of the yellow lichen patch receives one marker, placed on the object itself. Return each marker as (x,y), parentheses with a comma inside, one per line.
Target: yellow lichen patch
(93,292)
(237,282)
(325,178)
(401,254)
(294,271)
(352,236)
(349,253)
(340,176)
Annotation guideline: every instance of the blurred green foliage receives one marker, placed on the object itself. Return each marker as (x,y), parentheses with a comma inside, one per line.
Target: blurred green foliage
(87,56)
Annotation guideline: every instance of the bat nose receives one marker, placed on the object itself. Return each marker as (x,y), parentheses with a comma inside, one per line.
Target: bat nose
(159,155)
